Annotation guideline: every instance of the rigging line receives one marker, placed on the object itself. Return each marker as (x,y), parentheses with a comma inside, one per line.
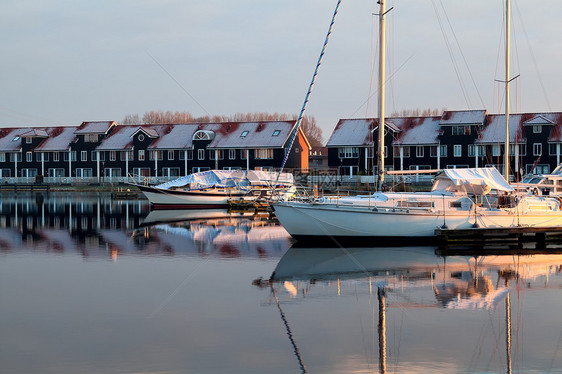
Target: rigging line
(386,81)
(303,109)
(533,58)
(289,332)
(178,83)
(462,54)
(451,55)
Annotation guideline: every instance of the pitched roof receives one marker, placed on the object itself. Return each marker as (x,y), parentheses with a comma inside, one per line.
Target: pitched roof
(94,127)
(10,139)
(463,117)
(494,130)
(417,130)
(351,132)
(36,133)
(119,139)
(59,139)
(265,134)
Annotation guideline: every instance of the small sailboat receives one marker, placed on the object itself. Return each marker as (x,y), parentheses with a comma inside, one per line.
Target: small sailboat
(461,198)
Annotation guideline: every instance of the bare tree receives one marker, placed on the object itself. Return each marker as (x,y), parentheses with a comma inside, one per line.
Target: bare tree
(131,119)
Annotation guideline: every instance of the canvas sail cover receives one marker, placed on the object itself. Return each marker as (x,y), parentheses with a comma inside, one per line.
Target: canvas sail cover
(229,178)
(479,181)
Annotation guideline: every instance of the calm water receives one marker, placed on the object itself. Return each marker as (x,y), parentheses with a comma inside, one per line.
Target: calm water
(91,285)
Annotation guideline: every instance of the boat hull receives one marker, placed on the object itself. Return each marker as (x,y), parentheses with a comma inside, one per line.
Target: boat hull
(184,199)
(373,226)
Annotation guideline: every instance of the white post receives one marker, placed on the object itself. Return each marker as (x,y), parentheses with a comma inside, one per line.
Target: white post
(516,157)
(216,159)
(16,164)
(98,164)
(69,162)
(185,162)
(401,158)
(155,153)
(476,153)
(43,163)
(127,164)
(439,156)
(247,159)
(557,154)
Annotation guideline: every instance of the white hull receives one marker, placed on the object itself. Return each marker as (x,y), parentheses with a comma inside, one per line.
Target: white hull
(307,221)
(162,198)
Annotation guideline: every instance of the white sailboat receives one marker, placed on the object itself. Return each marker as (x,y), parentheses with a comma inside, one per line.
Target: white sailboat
(460,198)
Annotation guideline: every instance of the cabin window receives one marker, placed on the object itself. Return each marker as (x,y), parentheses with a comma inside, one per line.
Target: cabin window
(55,156)
(28,140)
(2,157)
(457,150)
(554,149)
(141,137)
(200,154)
(141,155)
(232,154)
(29,157)
(419,151)
(537,129)
(123,155)
(243,154)
(495,150)
(537,149)
(171,155)
(113,155)
(84,156)
(189,154)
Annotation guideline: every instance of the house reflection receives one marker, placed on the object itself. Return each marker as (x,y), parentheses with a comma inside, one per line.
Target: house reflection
(95,226)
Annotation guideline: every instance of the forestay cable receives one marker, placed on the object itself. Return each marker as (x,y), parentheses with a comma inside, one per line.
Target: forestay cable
(301,114)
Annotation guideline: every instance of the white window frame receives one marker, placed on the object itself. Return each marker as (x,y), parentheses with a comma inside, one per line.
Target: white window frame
(200,154)
(537,149)
(419,151)
(457,150)
(232,154)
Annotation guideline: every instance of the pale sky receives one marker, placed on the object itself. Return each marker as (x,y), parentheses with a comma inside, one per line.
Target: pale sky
(64,62)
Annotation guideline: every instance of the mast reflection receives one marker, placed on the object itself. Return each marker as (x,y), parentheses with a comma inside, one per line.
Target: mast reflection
(404,277)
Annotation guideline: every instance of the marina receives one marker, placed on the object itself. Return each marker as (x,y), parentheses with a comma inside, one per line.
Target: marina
(90,284)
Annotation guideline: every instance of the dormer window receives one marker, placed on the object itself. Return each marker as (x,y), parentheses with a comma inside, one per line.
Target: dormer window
(537,129)
(276,133)
(141,137)
(244,134)
(203,135)
(28,140)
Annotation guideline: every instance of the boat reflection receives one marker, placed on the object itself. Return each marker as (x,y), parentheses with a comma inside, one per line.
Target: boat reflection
(95,226)
(413,278)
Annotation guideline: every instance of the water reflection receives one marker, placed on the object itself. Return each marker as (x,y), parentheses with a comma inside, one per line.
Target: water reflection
(398,280)
(96,226)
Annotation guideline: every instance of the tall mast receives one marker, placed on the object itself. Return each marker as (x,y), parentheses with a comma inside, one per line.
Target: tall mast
(507,31)
(381,91)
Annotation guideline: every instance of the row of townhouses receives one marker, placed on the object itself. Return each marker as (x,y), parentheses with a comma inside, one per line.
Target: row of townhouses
(106,151)
(456,139)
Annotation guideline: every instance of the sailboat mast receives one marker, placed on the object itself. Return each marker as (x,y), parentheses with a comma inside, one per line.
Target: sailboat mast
(507,32)
(381,90)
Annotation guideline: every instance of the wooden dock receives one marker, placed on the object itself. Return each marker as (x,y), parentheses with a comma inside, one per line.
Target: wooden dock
(507,236)
(25,187)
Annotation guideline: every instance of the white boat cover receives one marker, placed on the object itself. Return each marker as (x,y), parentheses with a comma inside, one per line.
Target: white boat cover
(242,179)
(471,180)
